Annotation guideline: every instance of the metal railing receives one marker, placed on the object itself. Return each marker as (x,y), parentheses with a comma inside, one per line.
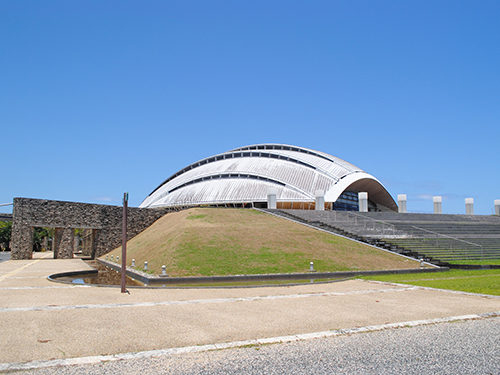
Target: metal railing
(365,226)
(444,241)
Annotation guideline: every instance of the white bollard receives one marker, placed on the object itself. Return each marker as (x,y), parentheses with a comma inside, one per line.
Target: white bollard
(145,266)
(402,203)
(271,198)
(438,207)
(163,271)
(469,206)
(320,200)
(363,201)
(311,267)
(497,206)
(133,262)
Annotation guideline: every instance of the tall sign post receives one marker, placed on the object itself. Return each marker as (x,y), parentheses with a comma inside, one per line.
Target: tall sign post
(124,241)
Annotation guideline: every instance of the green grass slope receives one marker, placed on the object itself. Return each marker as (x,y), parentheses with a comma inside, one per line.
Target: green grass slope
(215,241)
(473,281)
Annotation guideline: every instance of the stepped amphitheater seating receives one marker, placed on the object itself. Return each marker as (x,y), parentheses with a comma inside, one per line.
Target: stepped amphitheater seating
(437,238)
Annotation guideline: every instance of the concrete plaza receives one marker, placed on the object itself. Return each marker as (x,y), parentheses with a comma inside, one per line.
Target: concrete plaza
(42,320)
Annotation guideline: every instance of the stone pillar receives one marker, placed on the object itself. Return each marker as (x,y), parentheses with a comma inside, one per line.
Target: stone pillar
(21,241)
(438,207)
(320,200)
(95,240)
(63,243)
(363,201)
(469,206)
(271,198)
(497,206)
(402,203)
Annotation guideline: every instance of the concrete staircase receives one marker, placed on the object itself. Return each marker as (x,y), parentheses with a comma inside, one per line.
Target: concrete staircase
(435,238)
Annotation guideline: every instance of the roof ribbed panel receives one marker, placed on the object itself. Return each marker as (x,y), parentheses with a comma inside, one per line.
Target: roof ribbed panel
(246,174)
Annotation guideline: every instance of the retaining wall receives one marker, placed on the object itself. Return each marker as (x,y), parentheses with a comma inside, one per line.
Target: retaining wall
(104,220)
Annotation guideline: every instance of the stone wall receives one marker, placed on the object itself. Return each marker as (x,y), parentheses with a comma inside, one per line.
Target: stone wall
(105,222)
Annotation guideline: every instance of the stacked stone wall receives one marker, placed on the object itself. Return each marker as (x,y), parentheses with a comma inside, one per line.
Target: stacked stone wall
(104,220)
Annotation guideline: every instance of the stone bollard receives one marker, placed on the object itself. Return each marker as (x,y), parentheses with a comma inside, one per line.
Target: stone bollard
(145,266)
(163,270)
(133,262)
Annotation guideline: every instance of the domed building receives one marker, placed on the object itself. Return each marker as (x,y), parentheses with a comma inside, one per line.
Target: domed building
(243,177)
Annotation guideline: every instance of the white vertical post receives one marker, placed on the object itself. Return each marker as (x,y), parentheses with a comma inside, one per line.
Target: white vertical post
(469,206)
(438,206)
(271,198)
(497,206)
(320,200)
(363,201)
(402,203)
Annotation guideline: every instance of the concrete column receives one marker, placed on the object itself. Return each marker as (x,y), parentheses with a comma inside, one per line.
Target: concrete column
(320,200)
(438,207)
(497,206)
(363,201)
(402,203)
(469,206)
(271,198)
(63,243)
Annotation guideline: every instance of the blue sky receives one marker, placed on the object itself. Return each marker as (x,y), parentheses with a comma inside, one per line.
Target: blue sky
(102,97)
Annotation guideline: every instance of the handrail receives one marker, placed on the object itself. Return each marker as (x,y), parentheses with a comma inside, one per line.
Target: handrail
(377,224)
(450,237)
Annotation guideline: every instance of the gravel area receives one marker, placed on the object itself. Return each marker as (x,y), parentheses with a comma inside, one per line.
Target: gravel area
(465,347)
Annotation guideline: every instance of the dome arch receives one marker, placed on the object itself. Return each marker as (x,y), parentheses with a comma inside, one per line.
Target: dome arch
(245,175)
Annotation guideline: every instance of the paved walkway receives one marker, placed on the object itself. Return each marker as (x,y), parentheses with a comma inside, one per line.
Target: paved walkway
(41,320)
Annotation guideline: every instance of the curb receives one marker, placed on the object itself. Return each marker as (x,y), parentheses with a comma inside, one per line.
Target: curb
(238,344)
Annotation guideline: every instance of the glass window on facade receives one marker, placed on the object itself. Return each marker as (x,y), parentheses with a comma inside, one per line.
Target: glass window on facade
(348,201)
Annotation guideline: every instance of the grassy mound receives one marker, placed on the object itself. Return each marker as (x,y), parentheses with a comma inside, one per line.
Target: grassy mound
(211,241)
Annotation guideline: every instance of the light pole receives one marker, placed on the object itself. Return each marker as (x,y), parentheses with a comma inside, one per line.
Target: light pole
(124,241)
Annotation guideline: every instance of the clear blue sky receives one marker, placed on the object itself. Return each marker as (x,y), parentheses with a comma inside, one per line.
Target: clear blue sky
(102,97)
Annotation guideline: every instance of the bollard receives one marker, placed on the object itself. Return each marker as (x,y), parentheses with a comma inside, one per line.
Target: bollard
(107,256)
(311,267)
(421,262)
(469,206)
(145,266)
(163,271)
(438,204)
(117,259)
(402,203)
(111,257)
(133,262)
(363,201)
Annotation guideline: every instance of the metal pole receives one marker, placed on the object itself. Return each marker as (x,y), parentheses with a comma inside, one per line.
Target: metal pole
(124,241)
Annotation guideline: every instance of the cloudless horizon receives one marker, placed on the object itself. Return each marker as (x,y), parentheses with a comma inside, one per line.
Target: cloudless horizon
(104,97)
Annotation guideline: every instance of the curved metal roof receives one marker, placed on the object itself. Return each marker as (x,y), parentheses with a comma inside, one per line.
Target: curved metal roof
(247,173)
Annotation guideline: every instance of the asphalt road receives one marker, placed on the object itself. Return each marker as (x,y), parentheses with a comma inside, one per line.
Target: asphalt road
(466,347)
